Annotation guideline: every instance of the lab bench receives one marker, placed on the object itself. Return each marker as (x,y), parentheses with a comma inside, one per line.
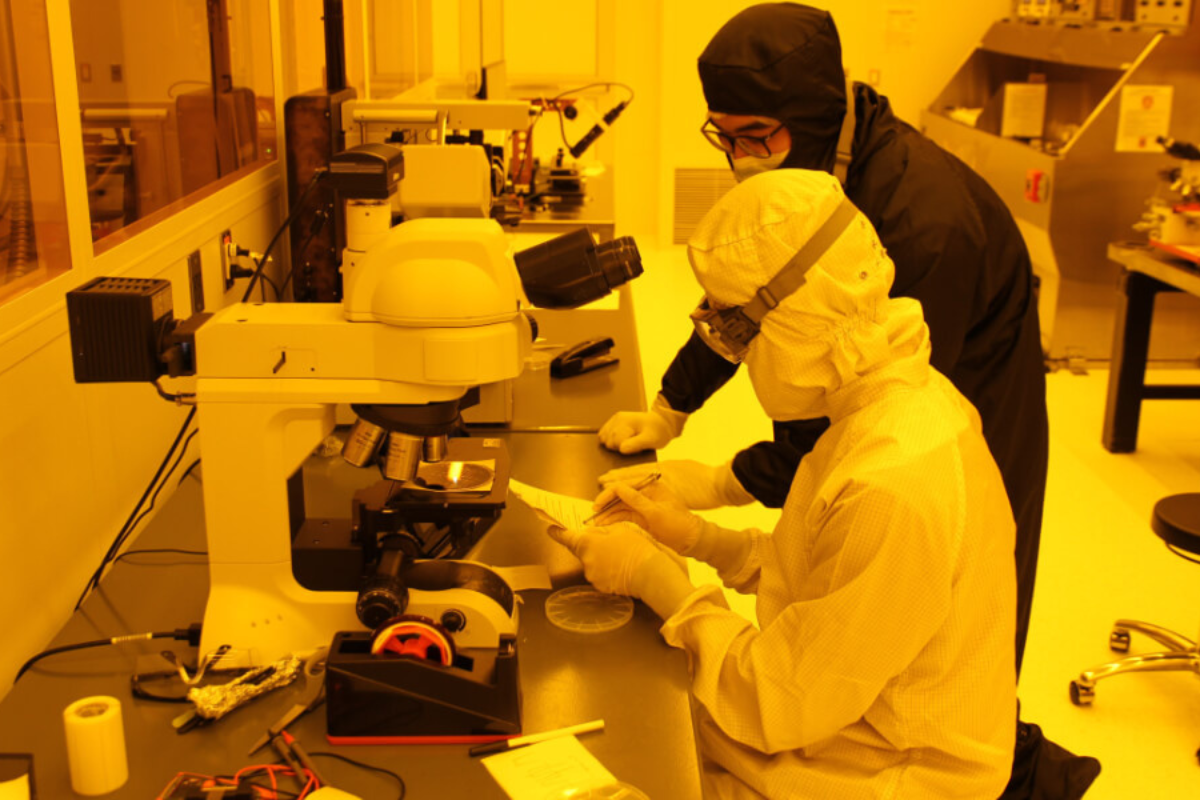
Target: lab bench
(628,677)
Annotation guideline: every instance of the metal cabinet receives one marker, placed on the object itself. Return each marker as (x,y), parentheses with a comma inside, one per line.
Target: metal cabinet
(1070,189)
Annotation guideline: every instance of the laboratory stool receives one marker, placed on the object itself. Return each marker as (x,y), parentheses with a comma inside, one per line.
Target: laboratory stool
(1176,520)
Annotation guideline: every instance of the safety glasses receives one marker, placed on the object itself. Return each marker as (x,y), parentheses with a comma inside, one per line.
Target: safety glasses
(750,145)
(727,331)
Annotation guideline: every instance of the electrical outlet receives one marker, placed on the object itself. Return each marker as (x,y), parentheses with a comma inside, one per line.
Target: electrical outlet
(118,74)
(227,259)
(196,277)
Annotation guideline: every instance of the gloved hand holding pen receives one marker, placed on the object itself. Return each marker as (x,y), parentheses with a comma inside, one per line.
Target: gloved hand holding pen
(657,510)
(699,486)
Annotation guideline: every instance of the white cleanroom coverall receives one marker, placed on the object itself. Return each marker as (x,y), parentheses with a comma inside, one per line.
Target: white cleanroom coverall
(882,665)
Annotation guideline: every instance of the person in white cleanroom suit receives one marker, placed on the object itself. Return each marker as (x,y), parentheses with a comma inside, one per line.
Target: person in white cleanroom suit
(883,664)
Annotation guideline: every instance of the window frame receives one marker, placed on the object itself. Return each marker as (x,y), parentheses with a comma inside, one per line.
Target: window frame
(34,318)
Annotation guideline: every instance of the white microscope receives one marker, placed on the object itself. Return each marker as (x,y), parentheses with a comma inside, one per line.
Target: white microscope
(432,308)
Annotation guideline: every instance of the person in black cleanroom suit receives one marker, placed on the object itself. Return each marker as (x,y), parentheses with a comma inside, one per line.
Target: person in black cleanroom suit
(954,243)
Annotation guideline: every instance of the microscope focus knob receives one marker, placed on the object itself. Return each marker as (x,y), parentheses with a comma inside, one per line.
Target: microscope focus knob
(454,620)
(382,598)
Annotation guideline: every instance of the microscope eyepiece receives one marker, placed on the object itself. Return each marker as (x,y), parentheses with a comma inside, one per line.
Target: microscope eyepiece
(572,269)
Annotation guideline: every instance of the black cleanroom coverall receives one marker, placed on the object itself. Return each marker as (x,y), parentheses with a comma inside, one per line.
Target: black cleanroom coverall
(954,243)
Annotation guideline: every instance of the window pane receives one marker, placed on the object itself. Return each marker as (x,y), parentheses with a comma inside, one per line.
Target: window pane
(33,229)
(175,98)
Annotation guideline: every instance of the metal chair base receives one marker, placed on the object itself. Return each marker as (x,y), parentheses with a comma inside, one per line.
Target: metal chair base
(1182,655)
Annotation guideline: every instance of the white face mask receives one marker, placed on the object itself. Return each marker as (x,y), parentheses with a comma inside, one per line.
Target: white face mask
(748,166)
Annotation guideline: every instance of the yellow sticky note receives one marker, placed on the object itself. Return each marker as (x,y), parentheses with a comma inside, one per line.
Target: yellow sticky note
(549,770)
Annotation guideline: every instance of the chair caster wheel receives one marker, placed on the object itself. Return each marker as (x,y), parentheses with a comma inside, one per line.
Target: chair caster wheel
(1118,640)
(1082,695)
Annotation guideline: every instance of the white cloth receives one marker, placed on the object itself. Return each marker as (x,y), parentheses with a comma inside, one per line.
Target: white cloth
(883,662)
(886,600)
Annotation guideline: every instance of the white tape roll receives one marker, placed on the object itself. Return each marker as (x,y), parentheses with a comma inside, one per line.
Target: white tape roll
(96,745)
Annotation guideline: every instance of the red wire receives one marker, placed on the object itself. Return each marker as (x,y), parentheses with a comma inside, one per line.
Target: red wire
(271,769)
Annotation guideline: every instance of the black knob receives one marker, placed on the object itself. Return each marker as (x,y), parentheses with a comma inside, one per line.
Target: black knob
(453,620)
(381,600)
(383,595)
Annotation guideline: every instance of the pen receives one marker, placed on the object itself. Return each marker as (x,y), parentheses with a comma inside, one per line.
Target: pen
(642,484)
(534,738)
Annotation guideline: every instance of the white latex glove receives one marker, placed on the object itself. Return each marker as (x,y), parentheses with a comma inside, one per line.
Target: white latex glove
(634,431)
(677,528)
(610,554)
(661,515)
(623,559)
(698,486)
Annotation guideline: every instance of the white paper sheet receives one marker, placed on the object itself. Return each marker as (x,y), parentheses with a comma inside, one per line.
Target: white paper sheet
(1024,112)
(548,770)
(533,576)
(555,509)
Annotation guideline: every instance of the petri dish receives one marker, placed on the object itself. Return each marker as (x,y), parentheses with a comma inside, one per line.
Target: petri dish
(582,609)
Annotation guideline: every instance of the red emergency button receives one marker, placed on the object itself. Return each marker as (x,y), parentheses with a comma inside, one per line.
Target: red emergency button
(1037,186)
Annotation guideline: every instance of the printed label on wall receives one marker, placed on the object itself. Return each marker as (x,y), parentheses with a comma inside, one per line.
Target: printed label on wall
(1145,115)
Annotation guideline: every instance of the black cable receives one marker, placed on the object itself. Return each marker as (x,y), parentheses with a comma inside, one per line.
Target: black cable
(138,688)
(594,133)
(624,86)
(187,472)
(360,765)
(313,231)
(165,395)
(262,288)
(131,523)
(115,546)
(162,550)
(287,223)
(157,491)
(189,634)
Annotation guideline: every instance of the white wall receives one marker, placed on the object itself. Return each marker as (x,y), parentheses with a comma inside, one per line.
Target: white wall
(74,459)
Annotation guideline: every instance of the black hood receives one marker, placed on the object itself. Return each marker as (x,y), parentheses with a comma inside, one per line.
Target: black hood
(781,60)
